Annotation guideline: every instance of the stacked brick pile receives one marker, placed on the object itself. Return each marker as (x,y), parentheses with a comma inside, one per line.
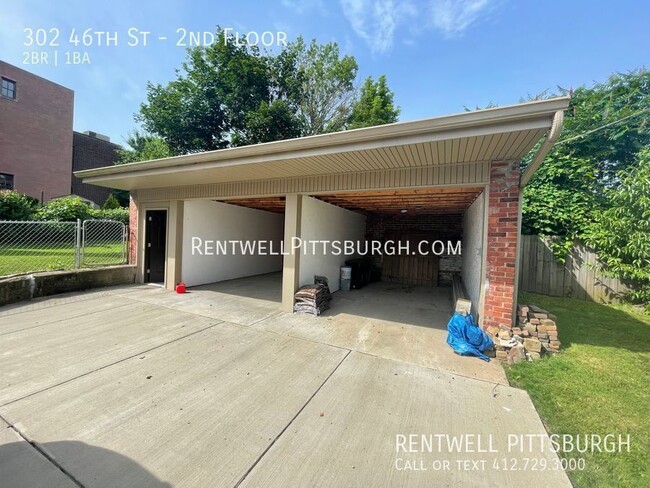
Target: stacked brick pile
(534,335)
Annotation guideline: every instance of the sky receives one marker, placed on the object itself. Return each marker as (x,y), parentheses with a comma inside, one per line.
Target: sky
(439,56)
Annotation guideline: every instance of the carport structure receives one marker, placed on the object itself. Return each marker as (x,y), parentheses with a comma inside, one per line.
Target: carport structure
(458,174)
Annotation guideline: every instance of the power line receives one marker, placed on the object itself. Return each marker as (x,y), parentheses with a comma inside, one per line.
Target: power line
(602,127)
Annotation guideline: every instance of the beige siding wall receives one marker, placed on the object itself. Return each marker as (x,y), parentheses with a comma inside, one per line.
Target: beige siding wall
(443,175)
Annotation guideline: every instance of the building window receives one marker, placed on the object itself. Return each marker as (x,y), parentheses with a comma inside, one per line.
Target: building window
(6,181)
(8,88)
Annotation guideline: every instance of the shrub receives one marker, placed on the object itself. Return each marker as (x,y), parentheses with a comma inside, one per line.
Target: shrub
(120,214)
(65,209)
(15,206)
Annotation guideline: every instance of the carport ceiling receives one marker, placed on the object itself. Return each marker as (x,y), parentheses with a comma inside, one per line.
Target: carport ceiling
(411,202)
(271,204)
(420,201)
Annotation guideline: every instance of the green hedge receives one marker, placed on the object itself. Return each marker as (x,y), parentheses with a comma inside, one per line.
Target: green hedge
(120,214)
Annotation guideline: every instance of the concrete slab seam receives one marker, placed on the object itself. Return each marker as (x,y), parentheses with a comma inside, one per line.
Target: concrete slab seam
(261,320)
(437,370)
(184,311)
(77,296)
(268,448)
(112,364)
(61,320)
(43,300)
(40,451)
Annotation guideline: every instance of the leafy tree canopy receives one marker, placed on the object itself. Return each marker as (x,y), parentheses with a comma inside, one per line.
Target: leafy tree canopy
(220,90)
(621,232)
(605,127)
(143,147)
(231,94)
(375,105)
(324,85)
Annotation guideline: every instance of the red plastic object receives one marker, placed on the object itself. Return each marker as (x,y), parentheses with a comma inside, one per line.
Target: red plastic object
(180,288)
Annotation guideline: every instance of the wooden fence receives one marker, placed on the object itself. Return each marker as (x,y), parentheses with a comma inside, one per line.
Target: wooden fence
(577,277)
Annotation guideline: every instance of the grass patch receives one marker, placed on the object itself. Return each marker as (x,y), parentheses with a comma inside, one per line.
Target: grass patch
(30,259)
(599,384)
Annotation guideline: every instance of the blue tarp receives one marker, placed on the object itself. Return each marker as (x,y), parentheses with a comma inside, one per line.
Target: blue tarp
(466,338)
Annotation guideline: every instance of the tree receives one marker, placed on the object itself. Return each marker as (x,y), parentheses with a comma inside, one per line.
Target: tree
(16,206)
(271,122)
(605,127)
(324,83)
(144,147)
(375,105)
(229,94)
(221,95)
(111,203)
(621,232)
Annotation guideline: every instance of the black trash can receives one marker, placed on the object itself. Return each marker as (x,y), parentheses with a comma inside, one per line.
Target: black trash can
(361,269)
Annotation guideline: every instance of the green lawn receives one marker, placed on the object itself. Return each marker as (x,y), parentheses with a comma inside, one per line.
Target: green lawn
(599,384)
(22,259)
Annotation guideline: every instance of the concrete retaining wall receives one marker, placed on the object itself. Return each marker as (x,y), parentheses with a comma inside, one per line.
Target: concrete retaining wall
(26,287)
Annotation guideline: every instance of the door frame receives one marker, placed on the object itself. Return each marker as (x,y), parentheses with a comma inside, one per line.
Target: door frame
(174,243)
(142,238)
(145,247)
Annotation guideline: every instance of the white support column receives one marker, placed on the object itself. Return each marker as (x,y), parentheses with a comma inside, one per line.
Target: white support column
(174,244)
(291,264)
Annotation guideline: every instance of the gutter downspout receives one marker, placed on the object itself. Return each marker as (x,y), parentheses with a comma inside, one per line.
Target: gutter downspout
(553,135)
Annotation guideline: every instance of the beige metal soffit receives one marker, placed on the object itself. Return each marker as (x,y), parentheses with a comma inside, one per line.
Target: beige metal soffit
(553,135)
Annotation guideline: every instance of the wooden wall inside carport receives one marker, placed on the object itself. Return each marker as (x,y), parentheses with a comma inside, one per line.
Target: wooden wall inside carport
(410,269)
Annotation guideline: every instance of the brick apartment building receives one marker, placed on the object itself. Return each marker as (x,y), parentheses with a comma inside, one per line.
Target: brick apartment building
(35,134)
(38,148)
(91,150)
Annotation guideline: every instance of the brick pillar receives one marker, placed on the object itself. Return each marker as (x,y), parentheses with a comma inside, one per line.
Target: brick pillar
(133,230)
(502,235)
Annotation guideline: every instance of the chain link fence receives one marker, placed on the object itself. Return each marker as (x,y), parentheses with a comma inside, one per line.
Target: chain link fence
(103,242)
(30,246)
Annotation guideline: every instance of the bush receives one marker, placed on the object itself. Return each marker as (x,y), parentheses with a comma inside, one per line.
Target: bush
(15,206)
(65,209)
(120,214)
(72,208)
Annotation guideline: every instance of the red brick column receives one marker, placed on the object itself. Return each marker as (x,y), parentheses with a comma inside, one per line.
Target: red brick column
(502,235)
(133,230)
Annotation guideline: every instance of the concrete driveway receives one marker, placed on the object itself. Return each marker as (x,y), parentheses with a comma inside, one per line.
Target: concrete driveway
(138,387)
